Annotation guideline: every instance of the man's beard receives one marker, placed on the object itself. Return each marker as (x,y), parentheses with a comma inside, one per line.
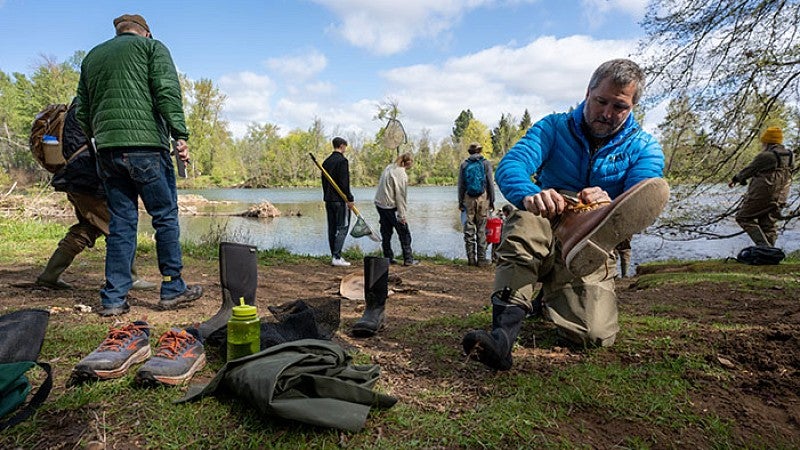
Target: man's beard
(601,128)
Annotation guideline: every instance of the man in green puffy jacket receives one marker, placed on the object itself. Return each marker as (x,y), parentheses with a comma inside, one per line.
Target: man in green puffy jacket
(130,103)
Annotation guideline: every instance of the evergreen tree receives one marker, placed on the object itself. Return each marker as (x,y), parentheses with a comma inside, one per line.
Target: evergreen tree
(525,122)
(461,123)
(504,135)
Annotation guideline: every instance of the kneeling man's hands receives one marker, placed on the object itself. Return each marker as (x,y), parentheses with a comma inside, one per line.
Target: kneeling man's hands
(593,194)
(547,203)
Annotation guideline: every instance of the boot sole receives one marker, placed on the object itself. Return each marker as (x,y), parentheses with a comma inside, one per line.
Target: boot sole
(55,286)
(473,344)
(633,214)
(181,301)
(148,379)
(80,375)
(365,332)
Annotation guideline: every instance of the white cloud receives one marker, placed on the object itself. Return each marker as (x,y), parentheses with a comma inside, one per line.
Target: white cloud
(300,67)
(500,80)
(389,26)
(320,88)
(546,75)
(597,11)
(249,97)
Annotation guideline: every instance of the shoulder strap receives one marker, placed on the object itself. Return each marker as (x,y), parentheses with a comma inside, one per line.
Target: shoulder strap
(780,156)
(77,152)
(38,398)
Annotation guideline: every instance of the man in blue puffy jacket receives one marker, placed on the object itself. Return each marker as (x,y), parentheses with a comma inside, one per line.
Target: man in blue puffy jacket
(563,175)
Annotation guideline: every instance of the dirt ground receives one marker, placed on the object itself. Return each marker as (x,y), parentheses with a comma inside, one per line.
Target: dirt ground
(760,356)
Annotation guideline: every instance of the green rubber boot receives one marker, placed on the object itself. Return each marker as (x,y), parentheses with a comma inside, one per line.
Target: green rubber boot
(140,284)
(51,276)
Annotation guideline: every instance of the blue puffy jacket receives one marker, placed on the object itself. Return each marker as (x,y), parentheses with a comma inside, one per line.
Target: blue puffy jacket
(556,154)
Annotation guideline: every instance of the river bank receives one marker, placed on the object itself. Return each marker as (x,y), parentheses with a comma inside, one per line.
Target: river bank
(433,217)
(708,357)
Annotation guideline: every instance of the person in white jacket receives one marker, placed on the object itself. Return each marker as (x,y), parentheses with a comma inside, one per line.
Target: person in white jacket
(391,202)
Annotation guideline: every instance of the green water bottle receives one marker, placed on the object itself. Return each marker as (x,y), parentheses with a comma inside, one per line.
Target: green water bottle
(244,331)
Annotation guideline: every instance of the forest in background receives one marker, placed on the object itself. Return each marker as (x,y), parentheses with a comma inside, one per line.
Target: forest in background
(265,156)
(726,70)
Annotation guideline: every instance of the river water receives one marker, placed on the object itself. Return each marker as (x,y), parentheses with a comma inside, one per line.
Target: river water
(433,217)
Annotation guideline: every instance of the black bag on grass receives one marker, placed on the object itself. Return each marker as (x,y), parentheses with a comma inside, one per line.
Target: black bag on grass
(21,337)
(759,255)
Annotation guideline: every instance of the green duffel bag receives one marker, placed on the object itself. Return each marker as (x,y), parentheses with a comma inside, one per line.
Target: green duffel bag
(21,337)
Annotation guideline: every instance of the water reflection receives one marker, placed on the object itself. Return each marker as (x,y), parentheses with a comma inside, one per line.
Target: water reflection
(433,217)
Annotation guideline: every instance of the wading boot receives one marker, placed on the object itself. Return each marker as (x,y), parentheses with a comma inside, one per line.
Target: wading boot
(624,264)
(238,276)
(494,349)
(51,276)
(589,233)
(472,258)
(376,288)
(140,284)
(757,236)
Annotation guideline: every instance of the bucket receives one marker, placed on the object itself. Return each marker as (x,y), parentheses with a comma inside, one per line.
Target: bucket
(494,226)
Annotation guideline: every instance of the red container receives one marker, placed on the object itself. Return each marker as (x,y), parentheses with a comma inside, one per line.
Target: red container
(494,225)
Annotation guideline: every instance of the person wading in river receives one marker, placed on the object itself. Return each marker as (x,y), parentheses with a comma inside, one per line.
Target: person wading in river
(770,173)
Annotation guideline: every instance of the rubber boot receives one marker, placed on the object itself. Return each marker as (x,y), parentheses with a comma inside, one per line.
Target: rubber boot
(589,233)
(238,276)
(408,256)
(472,260)
(140,284)
(624,263)
(757,236)
(376,289)
(51,276)
(494,349)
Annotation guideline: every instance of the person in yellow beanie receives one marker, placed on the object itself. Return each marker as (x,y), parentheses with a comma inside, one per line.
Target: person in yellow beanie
(771,173)
(772,135)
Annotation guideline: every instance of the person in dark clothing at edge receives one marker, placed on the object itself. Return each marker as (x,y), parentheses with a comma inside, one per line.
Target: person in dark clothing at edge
(565,230)
(84,189)
(337,211)
(130,102)
(771,174)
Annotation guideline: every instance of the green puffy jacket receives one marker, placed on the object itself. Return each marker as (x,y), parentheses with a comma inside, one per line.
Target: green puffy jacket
(129,94)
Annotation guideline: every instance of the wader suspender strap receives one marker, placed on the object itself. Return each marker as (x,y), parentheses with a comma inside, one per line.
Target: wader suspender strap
(38,398)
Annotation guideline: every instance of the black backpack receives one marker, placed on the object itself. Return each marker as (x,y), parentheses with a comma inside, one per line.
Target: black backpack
(759,255)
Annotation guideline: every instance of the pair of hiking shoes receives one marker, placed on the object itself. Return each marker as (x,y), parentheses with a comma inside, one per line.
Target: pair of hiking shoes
(180,354)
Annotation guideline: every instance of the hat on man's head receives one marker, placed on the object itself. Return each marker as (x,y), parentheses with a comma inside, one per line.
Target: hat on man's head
(135,18)
(474,148)
(773,135)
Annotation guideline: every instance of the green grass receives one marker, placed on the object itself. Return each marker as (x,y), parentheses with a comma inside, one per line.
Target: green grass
(643,381)
(520,409)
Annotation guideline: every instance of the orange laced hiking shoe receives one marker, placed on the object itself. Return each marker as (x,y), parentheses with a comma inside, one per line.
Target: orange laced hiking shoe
(589,233)
(121,348)
(180,354)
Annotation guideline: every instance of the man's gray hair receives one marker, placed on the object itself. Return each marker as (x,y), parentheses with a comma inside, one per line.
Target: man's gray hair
(622,73)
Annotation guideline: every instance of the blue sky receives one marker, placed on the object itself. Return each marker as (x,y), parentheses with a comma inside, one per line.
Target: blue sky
(289,61)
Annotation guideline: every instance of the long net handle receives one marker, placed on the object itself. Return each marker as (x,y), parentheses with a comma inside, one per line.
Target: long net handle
(333,183)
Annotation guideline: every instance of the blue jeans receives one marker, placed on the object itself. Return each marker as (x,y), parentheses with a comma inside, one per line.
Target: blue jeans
(338,215)
(130,173)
